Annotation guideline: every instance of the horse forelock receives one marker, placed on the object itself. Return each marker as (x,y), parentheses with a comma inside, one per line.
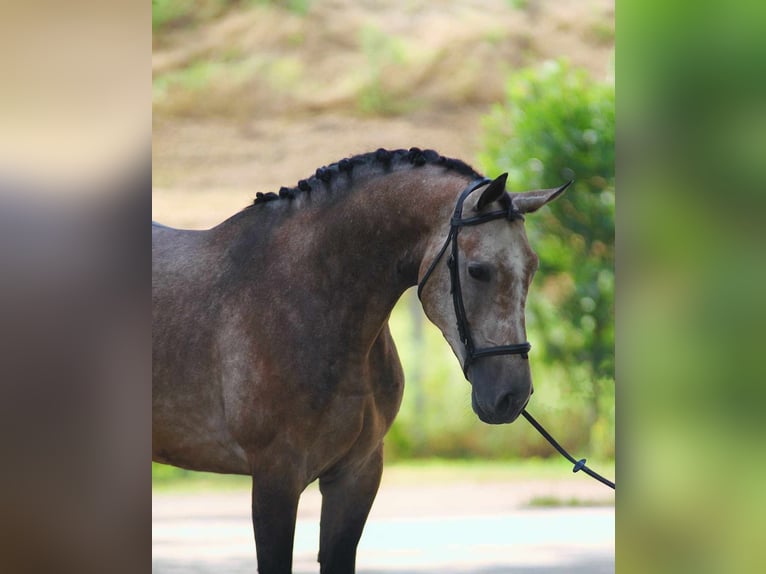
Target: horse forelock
(338,175)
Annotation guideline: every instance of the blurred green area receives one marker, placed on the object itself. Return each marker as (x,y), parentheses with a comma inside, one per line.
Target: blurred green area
(170,13)
(167,14)
(691,158)
(403,472)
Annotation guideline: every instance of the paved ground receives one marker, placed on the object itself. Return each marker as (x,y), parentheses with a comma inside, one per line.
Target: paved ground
(452,529)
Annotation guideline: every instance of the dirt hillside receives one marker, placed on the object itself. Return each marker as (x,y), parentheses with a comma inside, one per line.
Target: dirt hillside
(261,95)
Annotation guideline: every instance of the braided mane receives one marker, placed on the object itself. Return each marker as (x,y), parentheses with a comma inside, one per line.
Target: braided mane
(381,159)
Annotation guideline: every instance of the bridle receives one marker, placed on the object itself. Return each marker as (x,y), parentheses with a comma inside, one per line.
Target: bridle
(472,353)
(456,224)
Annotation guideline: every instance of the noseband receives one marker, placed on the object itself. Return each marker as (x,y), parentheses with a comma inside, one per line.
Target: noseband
(456,223)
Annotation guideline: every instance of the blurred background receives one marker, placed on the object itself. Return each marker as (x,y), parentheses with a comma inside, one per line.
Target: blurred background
(252,95)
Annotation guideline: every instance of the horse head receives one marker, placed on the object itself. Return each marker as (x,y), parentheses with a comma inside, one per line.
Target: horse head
(475,291)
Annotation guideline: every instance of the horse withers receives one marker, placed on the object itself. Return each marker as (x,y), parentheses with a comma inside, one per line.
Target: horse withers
(272,355)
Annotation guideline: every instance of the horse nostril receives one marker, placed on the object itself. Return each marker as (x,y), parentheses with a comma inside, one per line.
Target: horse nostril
(503,403)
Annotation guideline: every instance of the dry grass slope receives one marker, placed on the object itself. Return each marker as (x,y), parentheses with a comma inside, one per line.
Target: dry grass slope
(249,96)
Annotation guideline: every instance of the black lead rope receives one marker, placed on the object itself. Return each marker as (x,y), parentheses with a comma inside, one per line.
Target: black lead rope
(578,464)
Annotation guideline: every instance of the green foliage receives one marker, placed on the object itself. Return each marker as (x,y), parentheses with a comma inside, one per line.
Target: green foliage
(166,477)
(300,7)
(558,124)
(196,76)
(573,502)
(162,473)
(384,54)
(601,32)
(166,13)
(518,4)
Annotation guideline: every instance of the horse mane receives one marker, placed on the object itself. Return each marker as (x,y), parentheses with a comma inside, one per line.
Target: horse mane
(380,160)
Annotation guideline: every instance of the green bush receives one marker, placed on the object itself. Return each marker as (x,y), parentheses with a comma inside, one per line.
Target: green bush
(166,13)
(557,124)
(385,55)
(169,13)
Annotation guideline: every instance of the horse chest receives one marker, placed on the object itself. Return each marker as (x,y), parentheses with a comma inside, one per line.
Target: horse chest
(348,431)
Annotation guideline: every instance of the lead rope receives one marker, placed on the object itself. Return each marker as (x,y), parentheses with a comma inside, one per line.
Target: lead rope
(578,464)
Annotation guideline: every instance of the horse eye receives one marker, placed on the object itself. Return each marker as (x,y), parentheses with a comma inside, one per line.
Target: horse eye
(479,271)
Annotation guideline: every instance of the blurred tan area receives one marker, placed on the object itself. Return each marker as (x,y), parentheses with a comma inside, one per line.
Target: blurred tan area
(251,96)
(72,92)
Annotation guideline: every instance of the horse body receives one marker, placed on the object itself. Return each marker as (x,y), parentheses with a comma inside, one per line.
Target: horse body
(272,355)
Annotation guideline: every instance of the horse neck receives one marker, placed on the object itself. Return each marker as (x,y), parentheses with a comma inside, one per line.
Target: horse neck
(382,229)
(357,251)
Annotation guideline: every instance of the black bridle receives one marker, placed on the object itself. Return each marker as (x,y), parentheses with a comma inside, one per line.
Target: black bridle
(456,224)
(472,353)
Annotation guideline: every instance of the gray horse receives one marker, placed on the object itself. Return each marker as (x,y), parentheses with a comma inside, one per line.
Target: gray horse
(272,355)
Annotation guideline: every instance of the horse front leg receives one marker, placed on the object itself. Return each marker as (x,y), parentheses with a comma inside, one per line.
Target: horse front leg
(275,507)
(347,497)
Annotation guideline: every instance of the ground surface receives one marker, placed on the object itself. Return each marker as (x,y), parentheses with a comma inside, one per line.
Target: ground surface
(457,528)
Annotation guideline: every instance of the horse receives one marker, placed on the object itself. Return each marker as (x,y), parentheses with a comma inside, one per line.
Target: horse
(272,354)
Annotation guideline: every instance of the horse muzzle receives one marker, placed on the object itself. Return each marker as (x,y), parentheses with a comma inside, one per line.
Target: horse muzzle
(501,387)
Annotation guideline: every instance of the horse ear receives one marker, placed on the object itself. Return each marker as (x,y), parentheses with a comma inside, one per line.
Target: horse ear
(529,201)
(494,191)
